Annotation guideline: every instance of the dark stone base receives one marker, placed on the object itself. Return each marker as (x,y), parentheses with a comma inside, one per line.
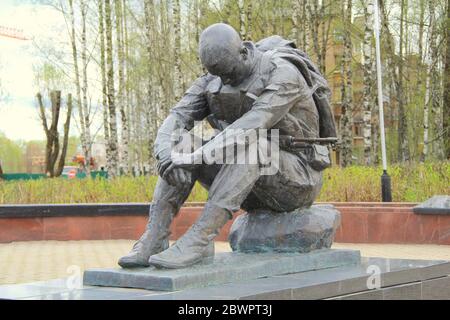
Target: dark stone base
(399,279)
(434,205)
(302,230)
(226,268)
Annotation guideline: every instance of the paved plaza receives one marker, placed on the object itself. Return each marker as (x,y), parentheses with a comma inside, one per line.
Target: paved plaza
(30,261)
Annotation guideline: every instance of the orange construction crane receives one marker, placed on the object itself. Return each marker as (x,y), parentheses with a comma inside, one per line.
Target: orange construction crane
(12,33)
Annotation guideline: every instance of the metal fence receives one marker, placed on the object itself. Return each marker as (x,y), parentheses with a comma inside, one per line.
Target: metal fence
(36,176)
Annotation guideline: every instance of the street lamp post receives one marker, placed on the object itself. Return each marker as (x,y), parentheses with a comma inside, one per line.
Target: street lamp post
(386,192)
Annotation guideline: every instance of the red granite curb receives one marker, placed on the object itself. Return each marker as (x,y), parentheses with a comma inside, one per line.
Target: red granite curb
(363,222)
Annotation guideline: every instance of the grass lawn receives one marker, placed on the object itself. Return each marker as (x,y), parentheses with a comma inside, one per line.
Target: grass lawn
(412,183)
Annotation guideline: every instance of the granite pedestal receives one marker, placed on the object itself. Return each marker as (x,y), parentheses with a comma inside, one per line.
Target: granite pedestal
(226,268)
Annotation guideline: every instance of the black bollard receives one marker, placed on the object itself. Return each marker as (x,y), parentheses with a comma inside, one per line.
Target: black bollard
(386,192)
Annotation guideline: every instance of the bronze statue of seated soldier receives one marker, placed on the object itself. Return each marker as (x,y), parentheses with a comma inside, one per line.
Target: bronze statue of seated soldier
(268,85)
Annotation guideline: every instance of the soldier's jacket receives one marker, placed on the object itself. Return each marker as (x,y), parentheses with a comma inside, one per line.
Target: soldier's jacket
(276,96)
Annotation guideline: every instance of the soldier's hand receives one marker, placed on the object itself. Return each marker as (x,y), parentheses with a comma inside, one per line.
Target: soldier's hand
(178,170)
(162,166)
(164,161)
(177,176)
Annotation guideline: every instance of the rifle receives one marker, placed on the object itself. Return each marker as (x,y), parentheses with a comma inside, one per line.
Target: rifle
(302,143)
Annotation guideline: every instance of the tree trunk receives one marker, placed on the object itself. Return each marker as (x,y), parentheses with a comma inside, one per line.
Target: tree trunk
(426,108)
(295,18)
(320,25)
(178,76)
(111,92)
(242,27)
(73,40)
(346,89)
(306,29)
(403,145)
(421,28)
(368,82)
(101,31)
(446,85)
(120,101)
(314,22)
(49,142)
(150,114)
(249,20)
(226,11)
(419,68)
(62,158)
(52,144)
(129,107)
(165,71)
(87,146)
(326,13)
(436,142)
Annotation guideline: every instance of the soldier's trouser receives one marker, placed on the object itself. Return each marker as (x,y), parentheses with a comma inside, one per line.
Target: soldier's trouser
(234,186)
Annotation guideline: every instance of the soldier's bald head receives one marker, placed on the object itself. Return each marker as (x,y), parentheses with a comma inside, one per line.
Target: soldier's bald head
(219,43)
(224,54)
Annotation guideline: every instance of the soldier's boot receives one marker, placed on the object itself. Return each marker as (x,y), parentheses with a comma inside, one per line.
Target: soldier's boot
(154,239)
(197,243)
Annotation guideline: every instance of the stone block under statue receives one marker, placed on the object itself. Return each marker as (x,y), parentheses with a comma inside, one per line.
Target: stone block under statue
(301,230)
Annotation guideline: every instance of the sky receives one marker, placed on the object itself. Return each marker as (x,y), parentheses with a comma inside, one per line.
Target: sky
(18,113)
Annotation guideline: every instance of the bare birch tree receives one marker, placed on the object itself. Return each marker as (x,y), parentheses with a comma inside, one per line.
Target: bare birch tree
(87,146)
(84,138)
(295,19)
(346,88)
(367,81)
(113,142)
(435,95)
(319,21)
(178,76)
(120,100)
(242,26)
(151,116)
(403,146)
(54,154)
(101,31)
(446,85)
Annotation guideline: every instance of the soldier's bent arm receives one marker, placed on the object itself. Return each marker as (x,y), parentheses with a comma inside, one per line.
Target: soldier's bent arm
(192,107)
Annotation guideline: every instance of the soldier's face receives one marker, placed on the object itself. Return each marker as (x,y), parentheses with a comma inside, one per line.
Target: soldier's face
(231,68)
(228,73)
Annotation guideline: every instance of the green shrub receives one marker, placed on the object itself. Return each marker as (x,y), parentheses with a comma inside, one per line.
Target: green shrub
(410,183)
